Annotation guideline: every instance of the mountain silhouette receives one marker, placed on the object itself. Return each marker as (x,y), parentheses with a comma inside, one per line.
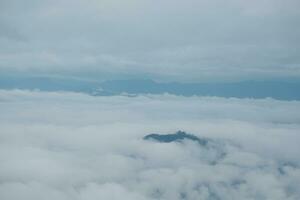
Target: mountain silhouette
(179,136)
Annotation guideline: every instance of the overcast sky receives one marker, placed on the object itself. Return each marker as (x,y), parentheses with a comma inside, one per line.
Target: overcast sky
(192,40)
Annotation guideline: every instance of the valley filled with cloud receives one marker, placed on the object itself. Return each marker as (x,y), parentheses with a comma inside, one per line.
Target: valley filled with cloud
(66,145)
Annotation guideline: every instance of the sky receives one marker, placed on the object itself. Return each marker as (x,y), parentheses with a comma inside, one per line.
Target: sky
(64,145)
(185,41)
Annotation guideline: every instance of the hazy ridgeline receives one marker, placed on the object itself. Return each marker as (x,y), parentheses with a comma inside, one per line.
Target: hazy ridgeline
(277,89)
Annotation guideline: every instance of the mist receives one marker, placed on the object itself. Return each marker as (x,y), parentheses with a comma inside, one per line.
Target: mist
(64,145)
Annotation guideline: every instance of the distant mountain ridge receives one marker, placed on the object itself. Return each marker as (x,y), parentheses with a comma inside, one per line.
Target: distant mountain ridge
(246,89)
(277,89)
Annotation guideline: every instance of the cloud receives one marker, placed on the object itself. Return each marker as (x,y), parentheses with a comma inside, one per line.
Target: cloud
(190,40)
(59,145)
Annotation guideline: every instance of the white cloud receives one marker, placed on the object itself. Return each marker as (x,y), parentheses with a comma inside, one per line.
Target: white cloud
(186,40)
(56,145)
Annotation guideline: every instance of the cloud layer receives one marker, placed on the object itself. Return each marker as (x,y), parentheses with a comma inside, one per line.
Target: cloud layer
(74,146)
(188,40)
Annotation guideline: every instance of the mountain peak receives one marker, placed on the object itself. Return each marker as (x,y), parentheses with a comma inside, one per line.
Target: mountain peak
(178,136)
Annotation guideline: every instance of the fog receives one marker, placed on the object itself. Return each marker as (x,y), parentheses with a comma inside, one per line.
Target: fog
(63,145)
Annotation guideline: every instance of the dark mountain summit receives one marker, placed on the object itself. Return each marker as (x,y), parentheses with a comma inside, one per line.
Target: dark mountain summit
(175,137)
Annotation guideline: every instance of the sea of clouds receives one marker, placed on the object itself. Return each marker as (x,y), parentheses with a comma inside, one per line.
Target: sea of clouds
(72,146)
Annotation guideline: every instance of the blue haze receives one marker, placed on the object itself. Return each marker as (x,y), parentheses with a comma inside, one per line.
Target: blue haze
(277,89)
